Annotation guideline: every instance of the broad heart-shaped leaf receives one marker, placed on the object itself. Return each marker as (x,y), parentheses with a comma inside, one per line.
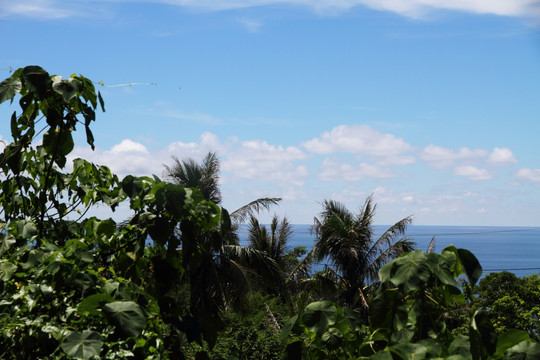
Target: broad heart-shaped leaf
(6,240)
(525,350)
(442,266)
(6,270)
(37,80)
(319,315)
(82,345)
(9,88)
(509,339)
(59,143)
(67,88)
(410,270)
(470,264)
(127,316)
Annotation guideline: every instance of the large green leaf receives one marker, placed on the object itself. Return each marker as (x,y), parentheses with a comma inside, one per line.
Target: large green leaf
(411,270)
(460,346)
(319,315)
(408,351)
(9,88)
(94,302)
(127,316)
(287,327)
(82,345)
(525,350)
(67,88)
(471,265)
(6,240)
(37,80)
(6,270)
(509,339)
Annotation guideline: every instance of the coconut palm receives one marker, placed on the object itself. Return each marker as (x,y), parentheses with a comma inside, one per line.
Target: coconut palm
(205,177)
(226,272)
(272,240)
(346,241)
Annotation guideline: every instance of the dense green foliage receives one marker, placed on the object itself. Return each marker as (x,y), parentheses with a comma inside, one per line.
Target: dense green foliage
(171,282)
(511,302)
(408,318)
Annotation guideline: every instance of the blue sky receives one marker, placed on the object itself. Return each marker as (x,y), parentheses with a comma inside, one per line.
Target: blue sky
(431,106)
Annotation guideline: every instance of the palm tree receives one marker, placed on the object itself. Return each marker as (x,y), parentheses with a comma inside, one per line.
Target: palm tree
(346,240)
(272,240)
(205,177)
(226,272)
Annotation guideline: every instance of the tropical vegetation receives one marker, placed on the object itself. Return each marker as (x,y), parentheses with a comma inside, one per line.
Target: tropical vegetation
(173,282)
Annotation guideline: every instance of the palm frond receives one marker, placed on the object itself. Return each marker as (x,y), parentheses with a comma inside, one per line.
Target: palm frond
(302,269)
(393,232)
(431,246)
(242,214)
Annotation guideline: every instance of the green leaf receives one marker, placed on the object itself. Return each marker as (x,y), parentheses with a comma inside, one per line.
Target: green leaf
(483,332)
(101,102)
(82,345)
(408,351)
(93,303)
(287,327)
(473,270)
(9,88)
(460,346)
(37,80)
(525,350)
(319,315)
(24,228)
(6,270)
(127,316)
(410,270)
(67,88)
(6,240)
(509,339)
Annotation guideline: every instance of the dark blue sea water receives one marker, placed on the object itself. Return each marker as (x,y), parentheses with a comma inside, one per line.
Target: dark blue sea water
(515,249)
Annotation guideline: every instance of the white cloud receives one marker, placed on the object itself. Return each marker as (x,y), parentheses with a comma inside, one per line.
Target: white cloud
(501,156)
(129,146)
(440,157)
(472,172)
(332,170)
(359,139)
(258,160)
(529,174)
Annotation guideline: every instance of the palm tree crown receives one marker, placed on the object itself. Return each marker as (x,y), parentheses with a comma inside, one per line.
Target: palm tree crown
(204,176)
(346,240)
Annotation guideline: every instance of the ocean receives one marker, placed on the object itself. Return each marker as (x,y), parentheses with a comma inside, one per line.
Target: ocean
(498,248)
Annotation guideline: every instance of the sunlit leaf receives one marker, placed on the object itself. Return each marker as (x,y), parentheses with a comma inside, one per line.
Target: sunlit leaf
(127,316)
(9,88)
(525,350)
(82,345)
(319,315)
(6,270)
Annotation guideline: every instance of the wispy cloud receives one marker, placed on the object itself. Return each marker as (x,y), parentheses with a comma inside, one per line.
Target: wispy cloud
(56,9)
(251,25)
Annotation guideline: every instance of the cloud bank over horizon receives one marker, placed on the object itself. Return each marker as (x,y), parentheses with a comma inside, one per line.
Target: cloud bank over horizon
(253,168)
